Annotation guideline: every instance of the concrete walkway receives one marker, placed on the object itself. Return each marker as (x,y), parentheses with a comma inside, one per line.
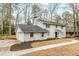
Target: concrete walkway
(21,52)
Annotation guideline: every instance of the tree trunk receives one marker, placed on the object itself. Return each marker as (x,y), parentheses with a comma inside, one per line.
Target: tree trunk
(77,20)
(74,19)
(16,22)
(2,17)
(9,11)
(25,13)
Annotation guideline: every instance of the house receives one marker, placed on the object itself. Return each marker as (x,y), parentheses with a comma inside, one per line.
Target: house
(40,30)
(30,33)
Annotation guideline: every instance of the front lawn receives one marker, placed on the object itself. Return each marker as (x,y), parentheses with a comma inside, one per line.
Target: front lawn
(4,37)
(67,50)
(47,42)
(27,45)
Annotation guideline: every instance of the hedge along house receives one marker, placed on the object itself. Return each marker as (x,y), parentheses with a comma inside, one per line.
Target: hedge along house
(30,33)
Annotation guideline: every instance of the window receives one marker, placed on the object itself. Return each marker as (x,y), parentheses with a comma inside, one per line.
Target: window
(47,26)
(31,34)
(42,35)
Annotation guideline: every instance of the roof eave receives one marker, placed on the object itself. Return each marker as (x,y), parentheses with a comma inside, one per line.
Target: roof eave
(55,24)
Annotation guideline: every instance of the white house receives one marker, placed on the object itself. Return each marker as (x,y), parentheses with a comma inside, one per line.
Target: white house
(40,30)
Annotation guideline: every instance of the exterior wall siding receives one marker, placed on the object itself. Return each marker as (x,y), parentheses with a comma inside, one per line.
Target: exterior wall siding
(37,36)
(63,30)
(21,36)
(52,31)
(39,23)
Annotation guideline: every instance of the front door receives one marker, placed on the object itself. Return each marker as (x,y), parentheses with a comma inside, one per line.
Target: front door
(56,34)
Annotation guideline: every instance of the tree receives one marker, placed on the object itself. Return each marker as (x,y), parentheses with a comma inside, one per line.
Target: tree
(19,10)
(58,19)
(10,16)
(29,13)
(35,11)
(52,8)
(77,19)
(74,8)
(67,19)
(2,5)
(44,14)
(7,18)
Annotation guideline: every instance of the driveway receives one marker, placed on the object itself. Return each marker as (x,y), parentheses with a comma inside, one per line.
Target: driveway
(5,44)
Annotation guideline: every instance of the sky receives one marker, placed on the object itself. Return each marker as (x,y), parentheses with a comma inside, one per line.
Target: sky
(62,8)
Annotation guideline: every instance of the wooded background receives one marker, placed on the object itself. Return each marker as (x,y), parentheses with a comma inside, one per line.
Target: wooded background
(12,14)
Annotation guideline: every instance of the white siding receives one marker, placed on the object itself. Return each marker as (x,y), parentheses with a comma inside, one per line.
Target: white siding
(63,30)
(37,36)
(19,35)
(52,31)
(19,30)
(40,23)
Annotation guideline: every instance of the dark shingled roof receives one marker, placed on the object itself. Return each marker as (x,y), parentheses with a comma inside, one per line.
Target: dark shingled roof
(31,28)
(54,23)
